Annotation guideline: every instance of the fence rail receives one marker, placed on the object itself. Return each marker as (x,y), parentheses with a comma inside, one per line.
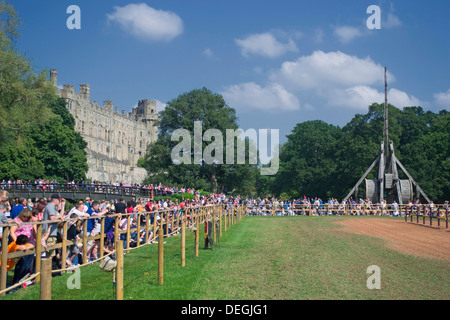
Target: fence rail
(148,228)
(85,188)
(437,211)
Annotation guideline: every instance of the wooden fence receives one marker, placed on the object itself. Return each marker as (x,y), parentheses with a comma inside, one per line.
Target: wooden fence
(153,227)
(438,211)
(165,223)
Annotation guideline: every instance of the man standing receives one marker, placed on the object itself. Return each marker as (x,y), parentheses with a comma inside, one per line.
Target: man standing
(121,206)
(94,228)
(53,211)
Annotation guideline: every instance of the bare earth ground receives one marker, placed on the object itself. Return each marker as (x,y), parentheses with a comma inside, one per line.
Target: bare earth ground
(404,237)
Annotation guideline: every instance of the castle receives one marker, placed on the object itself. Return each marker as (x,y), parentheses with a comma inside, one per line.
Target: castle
(115,142)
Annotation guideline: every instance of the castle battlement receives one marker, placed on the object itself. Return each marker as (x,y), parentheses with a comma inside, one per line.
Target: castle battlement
(115,140)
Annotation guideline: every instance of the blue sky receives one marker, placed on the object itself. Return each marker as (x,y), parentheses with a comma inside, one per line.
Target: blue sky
(277,63)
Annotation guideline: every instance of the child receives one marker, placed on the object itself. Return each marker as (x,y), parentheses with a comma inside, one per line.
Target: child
(23,264)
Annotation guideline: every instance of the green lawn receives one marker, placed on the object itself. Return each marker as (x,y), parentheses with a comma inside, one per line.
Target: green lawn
(269,258)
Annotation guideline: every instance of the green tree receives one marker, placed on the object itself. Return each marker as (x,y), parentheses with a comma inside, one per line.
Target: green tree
(37,136)
(21,106)
(307,162)
(182,113)
(60,148)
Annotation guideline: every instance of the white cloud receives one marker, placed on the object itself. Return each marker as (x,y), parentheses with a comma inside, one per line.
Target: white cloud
(360,97)
(160,106)
(265,44)
(322,69)
(442,99)
(251,96)
(347,34)
(331,80)
(145,22)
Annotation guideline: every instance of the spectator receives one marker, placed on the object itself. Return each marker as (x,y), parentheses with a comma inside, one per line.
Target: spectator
(74,228)
(121,207)
(78,210)
(30,204)
(53,211)
(21,204)
(94,228)
(21,228)
(22,265)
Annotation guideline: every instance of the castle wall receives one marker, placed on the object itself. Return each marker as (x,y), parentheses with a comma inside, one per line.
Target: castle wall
(115,141)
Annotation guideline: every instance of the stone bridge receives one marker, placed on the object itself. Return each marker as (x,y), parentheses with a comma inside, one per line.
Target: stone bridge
(76,192)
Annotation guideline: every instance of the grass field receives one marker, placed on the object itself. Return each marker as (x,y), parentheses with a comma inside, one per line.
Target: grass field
(267,258)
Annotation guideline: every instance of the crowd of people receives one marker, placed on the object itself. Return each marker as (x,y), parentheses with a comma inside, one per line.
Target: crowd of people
(94,186)
(316,206)
(18,211)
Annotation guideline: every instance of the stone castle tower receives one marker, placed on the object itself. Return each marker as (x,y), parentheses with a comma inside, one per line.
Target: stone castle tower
(115,141)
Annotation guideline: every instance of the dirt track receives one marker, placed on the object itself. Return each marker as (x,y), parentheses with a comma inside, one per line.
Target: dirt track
(405,237)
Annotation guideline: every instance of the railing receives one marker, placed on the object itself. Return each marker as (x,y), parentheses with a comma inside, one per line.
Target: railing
(87,188)
(148,229)
(438,211)
(170,223)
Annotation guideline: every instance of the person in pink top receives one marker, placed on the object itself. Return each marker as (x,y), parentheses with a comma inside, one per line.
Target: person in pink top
(22,228)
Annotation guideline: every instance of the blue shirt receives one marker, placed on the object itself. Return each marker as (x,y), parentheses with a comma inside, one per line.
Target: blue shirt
(91,222)
(16,211)
(109,224)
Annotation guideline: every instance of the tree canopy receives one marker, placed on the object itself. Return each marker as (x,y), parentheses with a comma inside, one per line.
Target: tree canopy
(211,112)
(37,134)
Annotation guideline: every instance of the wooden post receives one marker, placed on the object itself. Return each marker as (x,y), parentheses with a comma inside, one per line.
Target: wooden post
(155,223)
(197,233)
(128,232)
(160,255)
(64,246)
(166,214)
(147,226)
(116,229)
(46,279)
(214,225)
(3,272)
(38,251)
(431,217)
(220,221)
(119,270)
(102,237)
(225,221)
(438,214)
(138,232)
(85,241)
(446,218)
(183,243)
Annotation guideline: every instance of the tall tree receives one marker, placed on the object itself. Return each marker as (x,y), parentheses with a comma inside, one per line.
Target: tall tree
(212,112)
(37,135)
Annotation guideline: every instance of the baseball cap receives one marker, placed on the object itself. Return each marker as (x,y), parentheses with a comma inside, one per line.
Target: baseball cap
(56,196)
